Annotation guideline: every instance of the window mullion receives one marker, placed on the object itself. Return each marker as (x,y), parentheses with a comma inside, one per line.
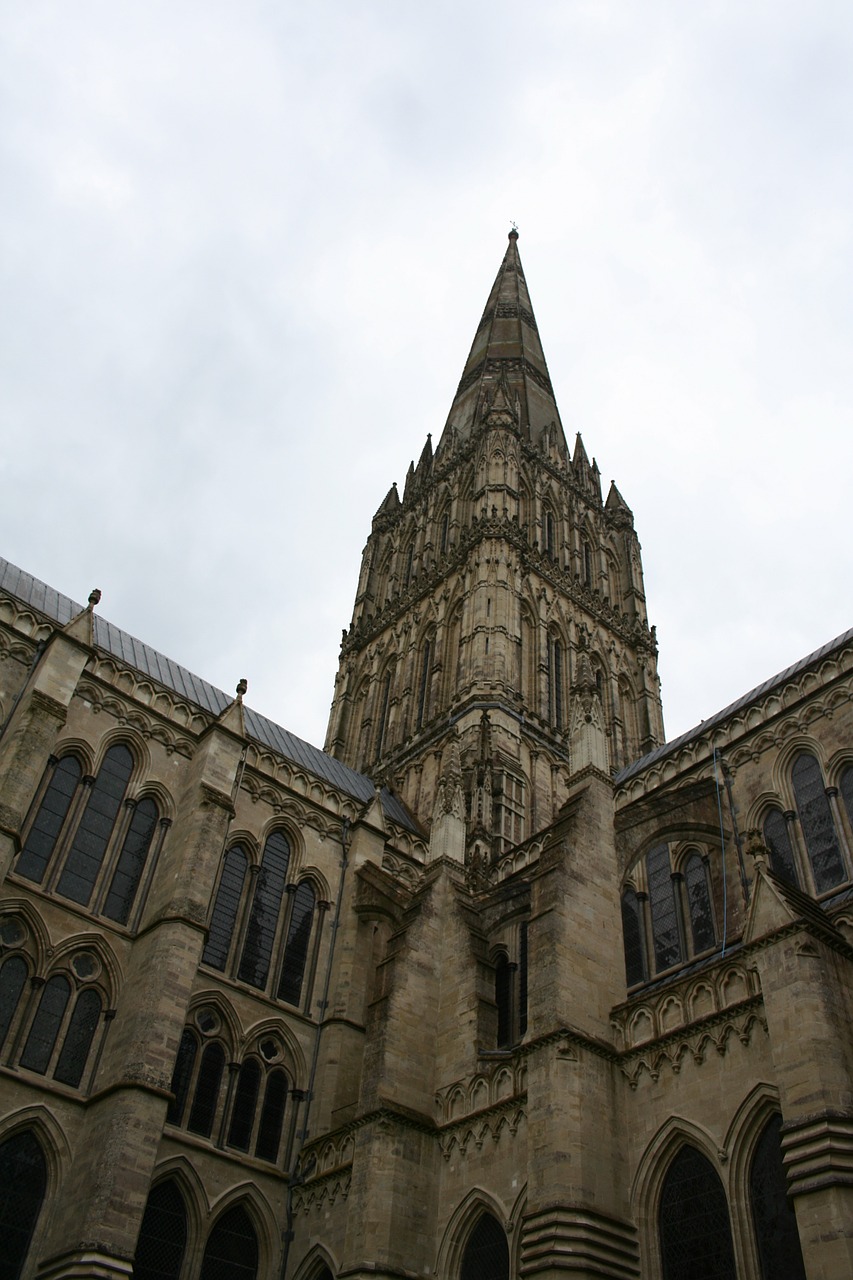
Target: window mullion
(68,832)
(111,855)
(36,984)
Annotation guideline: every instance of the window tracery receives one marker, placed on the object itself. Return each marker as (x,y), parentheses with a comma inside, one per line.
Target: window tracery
(667,912)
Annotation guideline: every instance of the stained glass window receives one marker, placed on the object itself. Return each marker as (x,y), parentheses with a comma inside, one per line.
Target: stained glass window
(272,1116)
(78,1038)
(206,1097)
(96,826)
(778,841)
(131,860)
(13,975)
(817,824)
(296,949)
(23,1182)
(181,1076)
(486,1255)
(773,1216)
(163,1234)
(225,908)
(266,906)
(699,904)
(243,1109)
(632,931)
(47,824)
(695,1232)
(45,1027)
(231,1252)
(664,909)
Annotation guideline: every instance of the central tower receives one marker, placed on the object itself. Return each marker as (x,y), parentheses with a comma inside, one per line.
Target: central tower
(499,640)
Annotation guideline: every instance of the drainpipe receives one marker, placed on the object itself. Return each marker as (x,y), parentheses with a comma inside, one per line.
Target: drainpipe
(294,1179)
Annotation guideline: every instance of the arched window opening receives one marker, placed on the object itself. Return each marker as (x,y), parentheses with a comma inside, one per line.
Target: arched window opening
(225,908)
(486,1255)
(92,836)
(47,824)
(78,1038)
(586,552)
(13,975)
(45,1026)
(778,842)
(272,1117)
(845,786)
(695,1232)
(817,824)
(296,947)
(410,556)
(231,1252)
(131,861)
(773,1217)
(245,1102)
(384,704)
(509,811)
(423,689)
(556,670)
(182,1076)
(667,938)
(163,1234)
(266,905)
(445,530)
(548,531)
(522,979)
(699,904)
(503,1000)
(206,1098)
(632,931)
(23,1183)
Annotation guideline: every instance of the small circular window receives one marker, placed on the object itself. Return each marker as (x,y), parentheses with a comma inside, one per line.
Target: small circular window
(270,1049)
(207,1021)
(12,931)
(86,965)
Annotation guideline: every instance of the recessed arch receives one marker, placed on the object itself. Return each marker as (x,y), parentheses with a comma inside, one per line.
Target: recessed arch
(318,1264)
(462,1222)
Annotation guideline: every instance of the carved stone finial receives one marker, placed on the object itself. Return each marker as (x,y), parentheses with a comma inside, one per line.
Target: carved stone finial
(94,597)
(242,686)
(756,848)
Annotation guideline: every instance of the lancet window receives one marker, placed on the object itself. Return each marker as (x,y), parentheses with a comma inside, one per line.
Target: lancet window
(805,842)
(486,1255)
(667,912)
(238,1106)
(511,991)
(23,1177)
(231,1251)
(53,1032)
(774,1220)
(88,839)
(693,1221)
(262,927)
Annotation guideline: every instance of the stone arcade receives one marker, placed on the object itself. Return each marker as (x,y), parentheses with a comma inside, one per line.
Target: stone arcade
(500,984)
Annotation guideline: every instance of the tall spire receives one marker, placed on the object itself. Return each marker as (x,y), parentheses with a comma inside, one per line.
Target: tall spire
(506,351)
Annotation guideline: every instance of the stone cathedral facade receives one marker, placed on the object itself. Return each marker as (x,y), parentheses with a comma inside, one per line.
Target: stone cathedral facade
(500,984)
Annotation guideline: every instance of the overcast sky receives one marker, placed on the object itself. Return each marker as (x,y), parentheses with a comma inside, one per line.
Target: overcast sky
(245,247)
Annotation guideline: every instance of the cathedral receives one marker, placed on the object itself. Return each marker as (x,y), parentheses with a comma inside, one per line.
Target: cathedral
(500,984)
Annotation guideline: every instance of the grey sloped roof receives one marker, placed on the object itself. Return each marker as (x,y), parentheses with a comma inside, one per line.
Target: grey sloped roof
(119,644)
(721,716)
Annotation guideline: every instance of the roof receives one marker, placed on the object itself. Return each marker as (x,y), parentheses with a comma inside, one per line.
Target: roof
(120,644)
(668,748)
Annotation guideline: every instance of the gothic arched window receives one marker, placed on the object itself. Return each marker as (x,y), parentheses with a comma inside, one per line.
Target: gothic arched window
(503,1000)
(695,1232)
(774,1219)
(51,1017)
(266,906)
(13,975)
(89,844)
(207,1088)
(699,904)
(44,1030)
(632,931)
(486,1255)
(78,1038)
(817,823)
(44,831)
(231,1252)
(296,946)
(423,687)
(272,1116)
(182,1076)
(548,532)
(664,908)
(225,908)
(586,554)
(778,841)
(244,1104)
(131,860)
(845,786)
(163,1234)
(23,1183)
(556,680)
